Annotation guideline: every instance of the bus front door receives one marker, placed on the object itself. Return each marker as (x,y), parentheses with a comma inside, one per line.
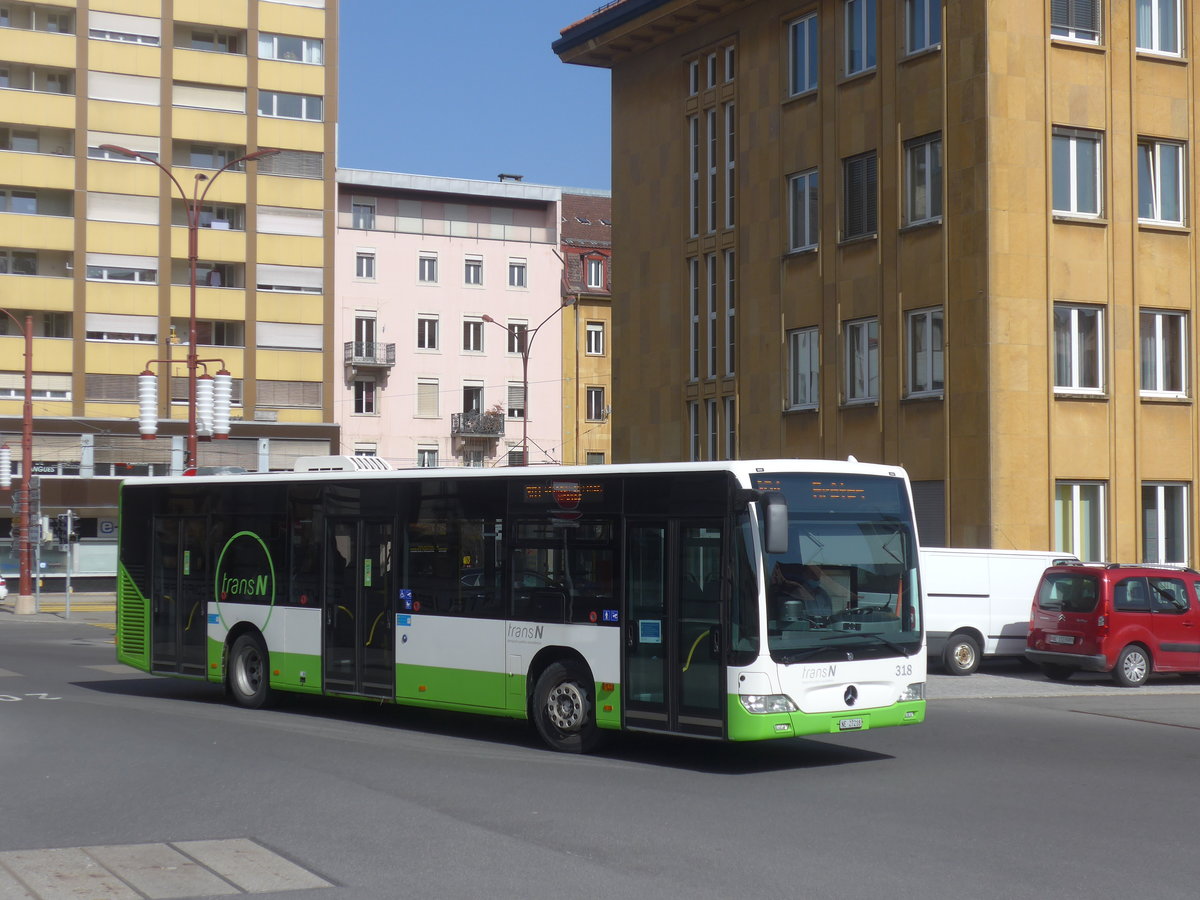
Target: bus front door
(673,669)
(181,587)
(359,615)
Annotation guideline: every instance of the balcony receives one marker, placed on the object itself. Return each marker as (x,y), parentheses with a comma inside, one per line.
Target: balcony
(477,424)
(370,355)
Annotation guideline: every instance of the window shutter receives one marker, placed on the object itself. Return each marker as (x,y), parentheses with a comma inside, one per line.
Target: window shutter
(1060,13)
(125,88)
(120,23)
(427,397)
(289,335)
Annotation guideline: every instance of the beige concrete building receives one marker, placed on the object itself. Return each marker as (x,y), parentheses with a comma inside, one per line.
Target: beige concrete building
(94,243)
(957,237)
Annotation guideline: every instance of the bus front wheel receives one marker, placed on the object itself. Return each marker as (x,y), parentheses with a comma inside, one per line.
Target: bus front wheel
(248,678)
(564,707)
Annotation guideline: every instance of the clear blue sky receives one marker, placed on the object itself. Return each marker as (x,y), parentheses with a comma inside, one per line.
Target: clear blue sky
(469,89)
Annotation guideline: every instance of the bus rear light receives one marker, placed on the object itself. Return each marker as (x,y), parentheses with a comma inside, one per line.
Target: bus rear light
(767,703)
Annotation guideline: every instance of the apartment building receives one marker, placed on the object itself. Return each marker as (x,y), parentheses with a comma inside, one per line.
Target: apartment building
(94,239)
(957,237)
(586,248)
(450,305)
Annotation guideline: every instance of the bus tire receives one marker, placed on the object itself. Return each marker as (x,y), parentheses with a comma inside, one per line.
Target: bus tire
(961,655)
(564,707)
(249,679)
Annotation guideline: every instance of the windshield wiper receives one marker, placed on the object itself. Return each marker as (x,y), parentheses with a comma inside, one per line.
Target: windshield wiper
(887,642)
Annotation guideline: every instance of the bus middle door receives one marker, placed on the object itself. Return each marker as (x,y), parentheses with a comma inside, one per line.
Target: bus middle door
(673,669)
(180,592)
(359,616)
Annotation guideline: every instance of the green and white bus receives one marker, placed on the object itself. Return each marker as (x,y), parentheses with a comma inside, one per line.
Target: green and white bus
(740,600)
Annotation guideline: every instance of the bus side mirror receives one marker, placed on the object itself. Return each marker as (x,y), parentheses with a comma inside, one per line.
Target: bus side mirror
(775,520)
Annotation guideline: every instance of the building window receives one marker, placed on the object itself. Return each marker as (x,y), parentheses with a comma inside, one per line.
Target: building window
(862,361)
(693,411)
(1164,353)
(924,19)
(427,333)
(427,268)
(923,179)
(1160,182)
(804,213)
(925,372)
(803,368)
(517,273)
(860,36)
(1076,20)
(730,312)
(1164,523)
(713,431)
(289,106)
(710,268)
(694,318)
(596,410)
(366,449)
(514,457)
(18,262)
(594,339)
(1158,26)
(1079,519)
(518,332)
(861,188)
(516,400)
(364,397)
(473,270)
(693,70)
(694,173)
(427,457)
(291,49)
(427,398)
(213,41)
(362,214)
(713,159)
(593,458)
(731,428)
(1078,357)
(711,69)
(473,335)
(1077,169)
(730,163)
(804,43)
(364,264)
(595,273)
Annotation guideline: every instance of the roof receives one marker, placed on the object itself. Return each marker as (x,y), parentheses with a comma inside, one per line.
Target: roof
(586,219)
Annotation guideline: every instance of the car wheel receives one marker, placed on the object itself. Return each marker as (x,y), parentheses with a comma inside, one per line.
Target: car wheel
(564,707)
(249,682)
(1133,667)
(961,655)
(1057,673)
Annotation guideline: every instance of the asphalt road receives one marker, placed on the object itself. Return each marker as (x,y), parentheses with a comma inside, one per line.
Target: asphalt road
(1013,788)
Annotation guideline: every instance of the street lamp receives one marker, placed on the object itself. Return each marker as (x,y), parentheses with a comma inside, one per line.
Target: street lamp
(525,343)
(193,225)
(25,602)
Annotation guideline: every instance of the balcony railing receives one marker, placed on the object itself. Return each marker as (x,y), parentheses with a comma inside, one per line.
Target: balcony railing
(370,353)
(477,424)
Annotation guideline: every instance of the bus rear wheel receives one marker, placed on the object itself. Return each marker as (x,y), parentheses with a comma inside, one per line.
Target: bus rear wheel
(564,707)
(248,676)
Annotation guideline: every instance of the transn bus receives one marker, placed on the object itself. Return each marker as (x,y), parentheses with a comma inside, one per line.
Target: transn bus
(665,598)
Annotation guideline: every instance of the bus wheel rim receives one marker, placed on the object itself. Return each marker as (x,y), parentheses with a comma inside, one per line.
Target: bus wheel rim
(564,706)
(249,673)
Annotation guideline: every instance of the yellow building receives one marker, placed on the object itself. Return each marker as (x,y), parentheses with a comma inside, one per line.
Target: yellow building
(952,236)
(94,242)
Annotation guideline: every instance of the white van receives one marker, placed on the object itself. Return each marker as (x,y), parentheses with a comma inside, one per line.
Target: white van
(977,602)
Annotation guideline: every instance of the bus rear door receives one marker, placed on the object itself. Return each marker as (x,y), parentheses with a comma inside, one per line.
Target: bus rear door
(359,614)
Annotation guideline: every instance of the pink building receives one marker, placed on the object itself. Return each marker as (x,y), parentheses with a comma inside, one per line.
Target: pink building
(441,286)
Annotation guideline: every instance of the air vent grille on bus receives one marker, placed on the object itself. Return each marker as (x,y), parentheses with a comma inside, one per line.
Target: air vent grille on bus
(341,464)
(131,639)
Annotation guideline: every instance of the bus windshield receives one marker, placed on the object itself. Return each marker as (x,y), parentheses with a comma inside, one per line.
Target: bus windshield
(847,583)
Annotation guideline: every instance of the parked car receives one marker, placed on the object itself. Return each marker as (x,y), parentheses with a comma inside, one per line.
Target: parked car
(1127,620)
(3,588)
(977,602)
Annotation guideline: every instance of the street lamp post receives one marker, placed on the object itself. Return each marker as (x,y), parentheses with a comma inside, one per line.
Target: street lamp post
(194,202)
(25,603)
(526,343)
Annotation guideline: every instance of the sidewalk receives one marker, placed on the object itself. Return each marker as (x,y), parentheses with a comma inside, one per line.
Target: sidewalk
(86,608)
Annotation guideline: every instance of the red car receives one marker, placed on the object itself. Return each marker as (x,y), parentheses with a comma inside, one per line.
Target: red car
(1127,620)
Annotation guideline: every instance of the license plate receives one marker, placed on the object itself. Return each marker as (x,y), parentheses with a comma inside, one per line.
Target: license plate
(1060,639)
(849,724)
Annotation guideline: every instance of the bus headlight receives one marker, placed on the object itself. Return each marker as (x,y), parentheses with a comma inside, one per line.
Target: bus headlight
(767,703)
(913,692)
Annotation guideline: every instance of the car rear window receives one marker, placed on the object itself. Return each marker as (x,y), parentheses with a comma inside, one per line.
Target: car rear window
(1068,592)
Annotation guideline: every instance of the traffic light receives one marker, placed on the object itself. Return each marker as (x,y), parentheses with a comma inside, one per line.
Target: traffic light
(58,527)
